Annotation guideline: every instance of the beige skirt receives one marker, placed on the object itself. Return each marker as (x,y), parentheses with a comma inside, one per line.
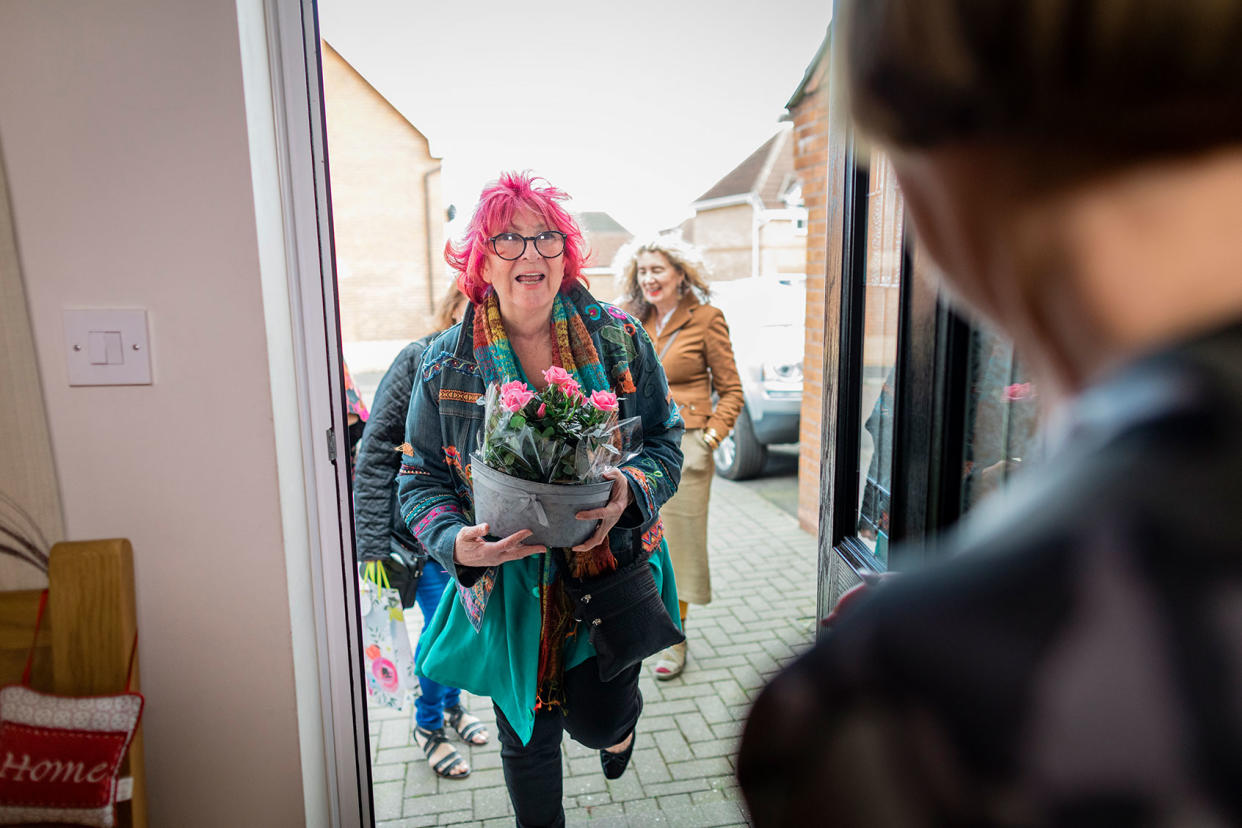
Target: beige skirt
(685,521)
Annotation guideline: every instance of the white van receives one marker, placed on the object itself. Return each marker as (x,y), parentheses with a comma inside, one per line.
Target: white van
(767,321)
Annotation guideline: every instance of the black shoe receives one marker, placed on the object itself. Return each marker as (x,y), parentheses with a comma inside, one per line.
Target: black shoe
(614,764)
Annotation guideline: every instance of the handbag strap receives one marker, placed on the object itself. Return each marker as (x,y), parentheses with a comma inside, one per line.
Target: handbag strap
(27,672)
(671,338)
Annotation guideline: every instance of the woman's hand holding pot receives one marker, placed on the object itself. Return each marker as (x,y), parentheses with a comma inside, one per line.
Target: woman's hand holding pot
(608,515)
(471,549)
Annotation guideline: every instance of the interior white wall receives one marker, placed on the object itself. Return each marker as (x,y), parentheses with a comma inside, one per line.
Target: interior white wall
(124,133)
(31,496)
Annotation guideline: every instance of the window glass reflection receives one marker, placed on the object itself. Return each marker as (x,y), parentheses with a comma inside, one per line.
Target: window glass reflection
(881,305)
(1001,417)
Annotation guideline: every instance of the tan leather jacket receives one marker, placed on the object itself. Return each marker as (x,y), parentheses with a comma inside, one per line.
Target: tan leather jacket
(700,360)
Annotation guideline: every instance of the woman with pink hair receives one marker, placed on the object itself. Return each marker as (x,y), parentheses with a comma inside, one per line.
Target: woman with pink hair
(555,637)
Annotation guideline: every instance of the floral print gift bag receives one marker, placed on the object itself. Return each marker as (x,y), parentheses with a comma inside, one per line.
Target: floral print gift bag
(387,657)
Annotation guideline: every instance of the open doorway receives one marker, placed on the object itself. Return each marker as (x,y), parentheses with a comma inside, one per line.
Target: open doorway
(687,127)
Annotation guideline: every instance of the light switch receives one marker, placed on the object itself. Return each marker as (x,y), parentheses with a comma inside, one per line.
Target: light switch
(104,347)
(107,347)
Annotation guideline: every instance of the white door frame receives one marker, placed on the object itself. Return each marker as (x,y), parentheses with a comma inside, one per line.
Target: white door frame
(285,111)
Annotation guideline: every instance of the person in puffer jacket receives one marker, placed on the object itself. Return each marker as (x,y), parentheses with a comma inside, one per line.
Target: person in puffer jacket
(383,536)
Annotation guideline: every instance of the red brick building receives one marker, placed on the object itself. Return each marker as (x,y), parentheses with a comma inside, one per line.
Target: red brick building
(809,109)
(388,211)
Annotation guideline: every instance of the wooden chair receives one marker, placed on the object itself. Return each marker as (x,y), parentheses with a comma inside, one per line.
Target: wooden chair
(85,640)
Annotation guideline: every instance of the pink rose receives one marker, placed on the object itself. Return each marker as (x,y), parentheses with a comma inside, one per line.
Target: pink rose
(571,387)
(515,401)
(543,407)
(515,395)
(516,385)
(1017,391)
(557,376)
(604,400)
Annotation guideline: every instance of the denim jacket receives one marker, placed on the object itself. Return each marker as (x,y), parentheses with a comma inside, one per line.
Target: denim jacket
(444,423)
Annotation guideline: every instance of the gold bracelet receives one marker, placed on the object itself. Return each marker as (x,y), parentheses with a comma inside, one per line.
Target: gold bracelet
(710,438)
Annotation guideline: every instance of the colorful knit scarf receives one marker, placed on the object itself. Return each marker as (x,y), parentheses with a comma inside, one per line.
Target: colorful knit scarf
(574,351)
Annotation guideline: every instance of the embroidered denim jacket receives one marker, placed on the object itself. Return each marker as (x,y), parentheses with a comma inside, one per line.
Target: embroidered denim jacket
(444,423)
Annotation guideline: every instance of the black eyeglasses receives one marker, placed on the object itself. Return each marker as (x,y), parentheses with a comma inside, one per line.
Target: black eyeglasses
(510,246)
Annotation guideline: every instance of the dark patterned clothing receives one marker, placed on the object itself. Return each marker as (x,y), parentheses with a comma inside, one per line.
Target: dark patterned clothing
(1077,662)
(573,352)
(355,406)
(380,532)
(487,633)
(353,400)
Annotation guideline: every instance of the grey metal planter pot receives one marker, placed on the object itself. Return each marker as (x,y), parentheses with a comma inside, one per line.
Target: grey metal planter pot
(509,504)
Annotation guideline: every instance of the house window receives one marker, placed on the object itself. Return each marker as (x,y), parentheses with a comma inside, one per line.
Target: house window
(870,463)
(881,305)
(933,413)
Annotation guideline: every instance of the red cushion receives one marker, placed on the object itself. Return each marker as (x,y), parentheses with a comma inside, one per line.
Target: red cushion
(60,756)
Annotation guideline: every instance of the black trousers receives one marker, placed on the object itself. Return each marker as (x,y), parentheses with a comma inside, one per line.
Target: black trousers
(600,715)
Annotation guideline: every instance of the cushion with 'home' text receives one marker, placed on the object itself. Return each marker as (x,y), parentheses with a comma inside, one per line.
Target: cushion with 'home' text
(60,756)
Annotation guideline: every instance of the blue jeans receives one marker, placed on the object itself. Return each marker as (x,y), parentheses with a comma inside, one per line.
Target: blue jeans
(429,708)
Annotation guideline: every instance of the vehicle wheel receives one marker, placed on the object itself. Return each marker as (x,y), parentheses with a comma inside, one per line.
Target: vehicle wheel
(740,456)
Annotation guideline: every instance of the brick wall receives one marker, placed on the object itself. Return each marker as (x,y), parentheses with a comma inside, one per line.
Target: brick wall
(810,136)
(386,191)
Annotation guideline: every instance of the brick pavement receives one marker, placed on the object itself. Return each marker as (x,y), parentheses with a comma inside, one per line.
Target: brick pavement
(763,573)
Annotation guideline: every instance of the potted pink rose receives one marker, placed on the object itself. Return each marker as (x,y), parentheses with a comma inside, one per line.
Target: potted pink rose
(542,457)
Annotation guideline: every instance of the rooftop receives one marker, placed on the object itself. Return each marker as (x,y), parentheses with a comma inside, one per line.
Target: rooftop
(764,173)
(599,223)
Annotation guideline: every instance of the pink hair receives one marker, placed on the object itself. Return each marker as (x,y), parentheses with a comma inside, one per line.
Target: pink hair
(498,203)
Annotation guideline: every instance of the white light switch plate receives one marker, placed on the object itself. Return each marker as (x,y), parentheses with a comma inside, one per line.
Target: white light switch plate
(107,347)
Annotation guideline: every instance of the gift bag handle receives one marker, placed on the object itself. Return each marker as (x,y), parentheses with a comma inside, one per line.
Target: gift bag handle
(26,673)
(376,574)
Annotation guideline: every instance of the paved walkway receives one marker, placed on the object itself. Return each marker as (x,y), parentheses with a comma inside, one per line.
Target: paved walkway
(763,571)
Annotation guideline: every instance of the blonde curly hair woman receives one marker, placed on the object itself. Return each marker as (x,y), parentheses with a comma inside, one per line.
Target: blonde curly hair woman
(665,287)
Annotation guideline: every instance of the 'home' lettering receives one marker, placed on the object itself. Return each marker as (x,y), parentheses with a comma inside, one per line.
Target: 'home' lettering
(51,770)
(9,764)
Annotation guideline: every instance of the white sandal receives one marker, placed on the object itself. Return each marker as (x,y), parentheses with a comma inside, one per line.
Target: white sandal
(671,662)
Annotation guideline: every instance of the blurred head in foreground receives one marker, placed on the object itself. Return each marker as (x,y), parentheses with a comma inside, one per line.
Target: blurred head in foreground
(1074,167)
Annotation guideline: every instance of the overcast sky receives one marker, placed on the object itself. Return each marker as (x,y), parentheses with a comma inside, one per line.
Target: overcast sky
(635,109)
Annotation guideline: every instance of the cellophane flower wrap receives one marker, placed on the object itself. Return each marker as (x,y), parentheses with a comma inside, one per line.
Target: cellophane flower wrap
(557,435)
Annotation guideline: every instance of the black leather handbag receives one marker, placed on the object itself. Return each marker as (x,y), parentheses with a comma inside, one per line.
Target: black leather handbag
(625,617)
